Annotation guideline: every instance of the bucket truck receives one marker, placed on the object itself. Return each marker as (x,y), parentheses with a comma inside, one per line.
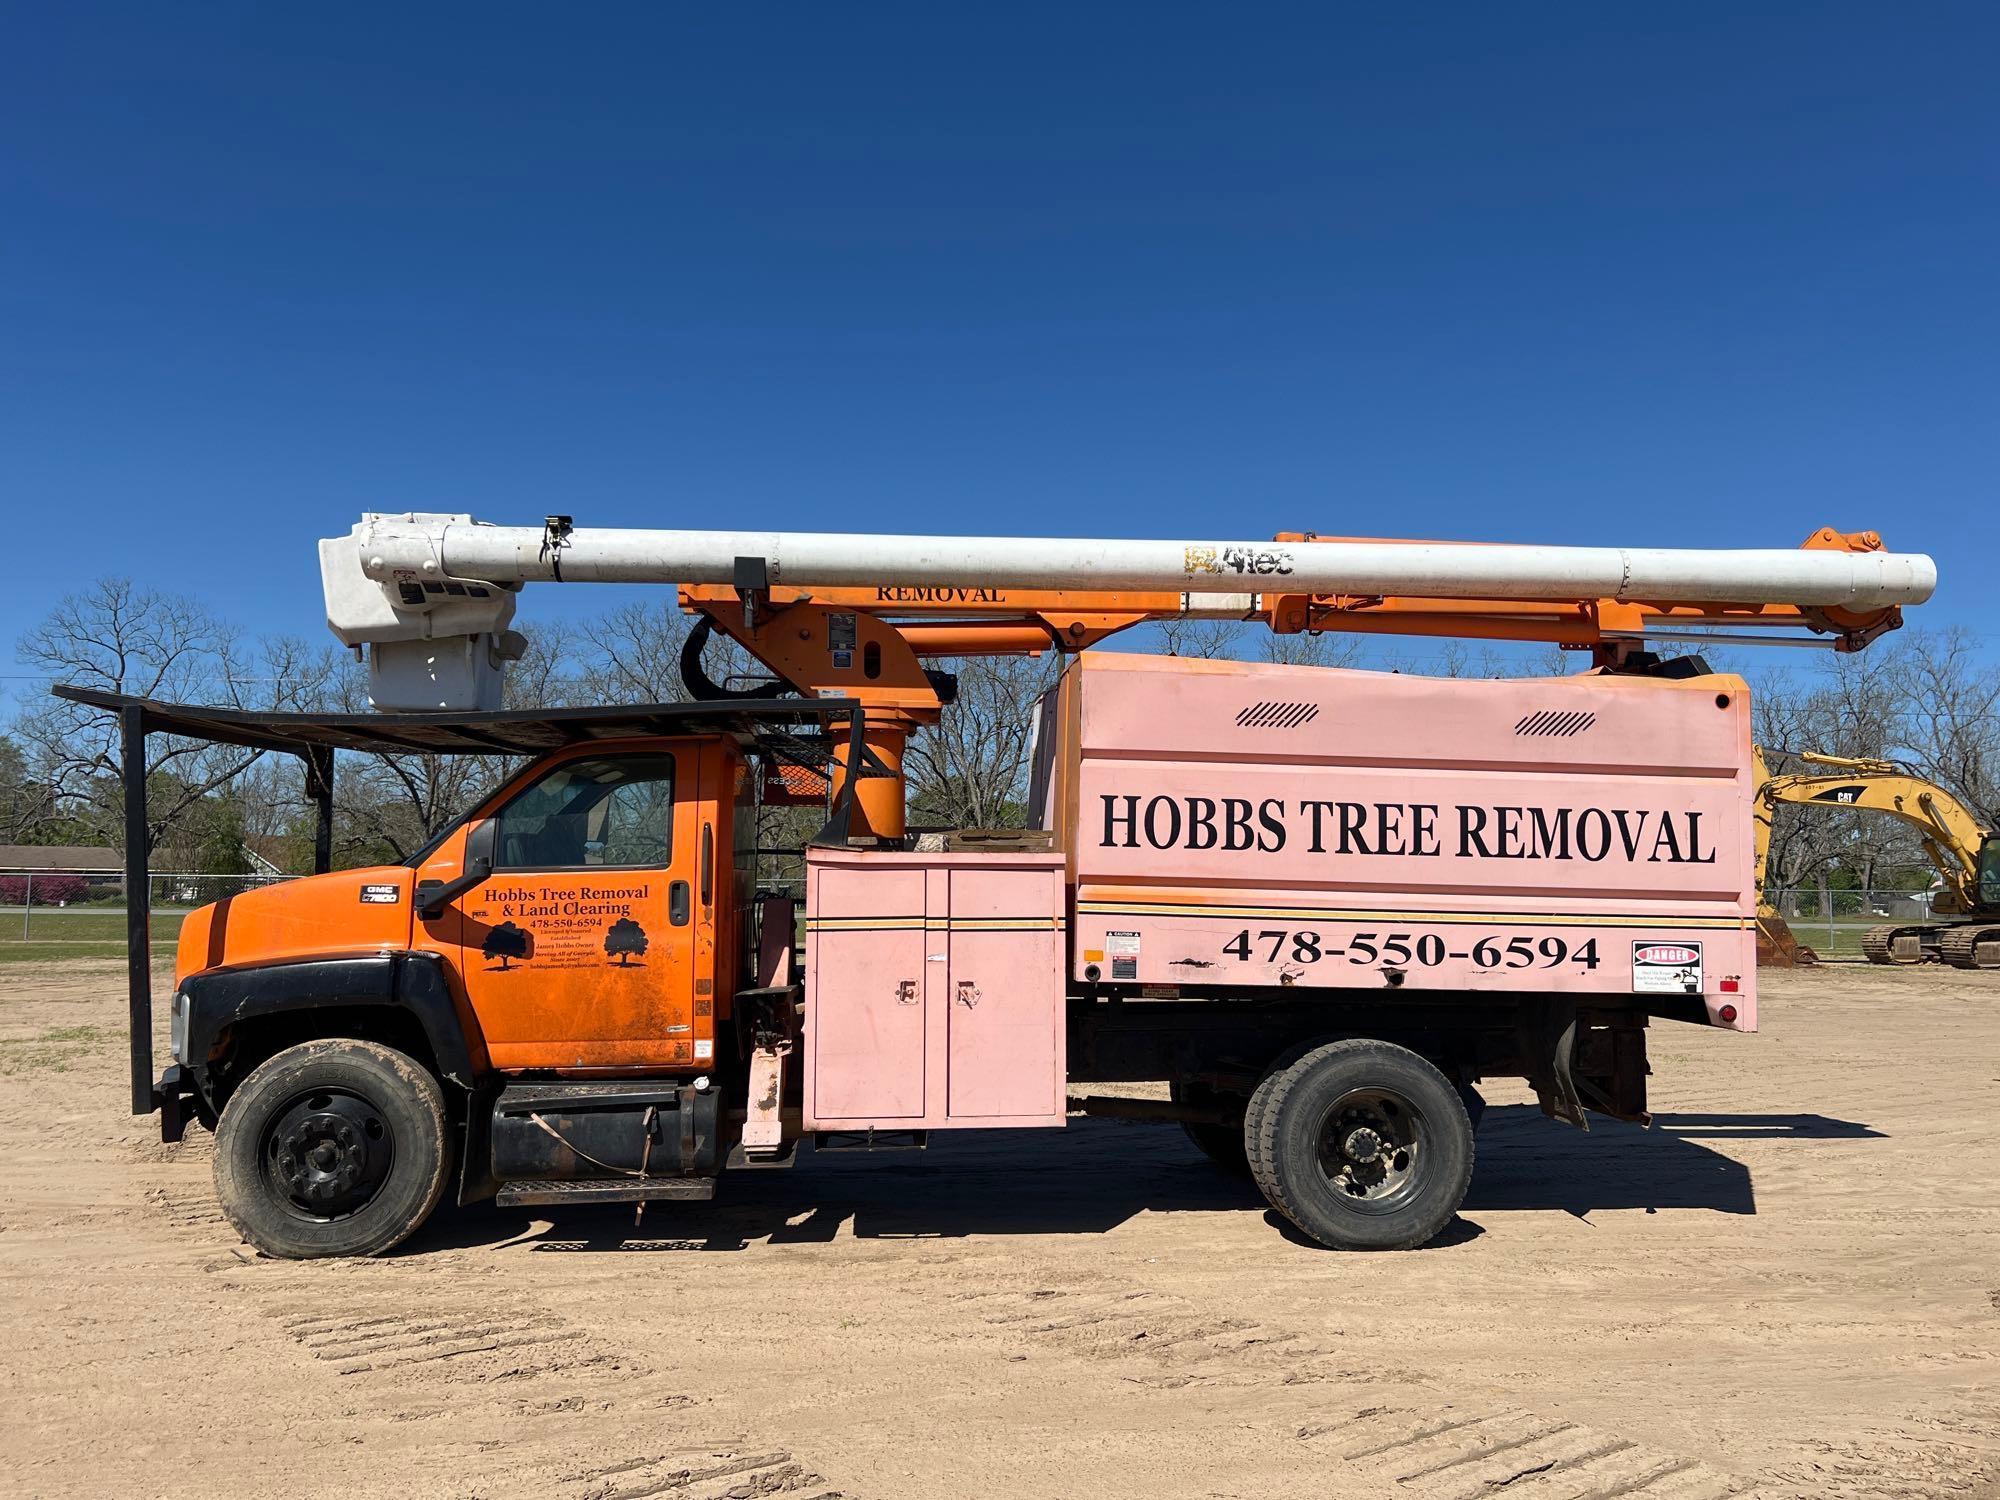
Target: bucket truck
(1322,904)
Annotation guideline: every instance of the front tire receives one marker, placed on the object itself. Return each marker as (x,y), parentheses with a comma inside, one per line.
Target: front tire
(1363,1146)
(334,1147)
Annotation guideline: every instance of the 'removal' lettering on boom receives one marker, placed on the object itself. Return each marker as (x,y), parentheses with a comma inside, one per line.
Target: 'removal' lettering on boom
(934,594)
(1411,829)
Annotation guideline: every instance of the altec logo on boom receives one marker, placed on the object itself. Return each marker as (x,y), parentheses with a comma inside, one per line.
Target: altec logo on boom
(1406,829)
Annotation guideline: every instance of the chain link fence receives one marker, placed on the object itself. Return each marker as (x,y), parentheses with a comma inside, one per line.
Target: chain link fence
(85,910)
(1832,922)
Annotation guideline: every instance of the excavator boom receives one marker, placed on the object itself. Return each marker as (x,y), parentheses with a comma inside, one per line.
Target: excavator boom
(1964,852)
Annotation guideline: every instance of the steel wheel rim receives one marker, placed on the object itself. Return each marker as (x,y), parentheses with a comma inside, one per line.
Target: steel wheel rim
(1374,1150)
(326,1153)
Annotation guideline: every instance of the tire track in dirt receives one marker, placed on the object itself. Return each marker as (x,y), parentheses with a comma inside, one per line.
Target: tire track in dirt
(181,1206)
(1467,1453)
(1175,1343)
(1445,1450)
(473,1355)
(395,1341)
(722,1472)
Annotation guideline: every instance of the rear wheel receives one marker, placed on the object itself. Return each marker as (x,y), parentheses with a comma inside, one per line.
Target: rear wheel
(1362,1145)
(335,1147)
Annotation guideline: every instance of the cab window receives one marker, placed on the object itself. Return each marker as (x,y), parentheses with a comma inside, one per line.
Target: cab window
(1989,870)
(615,812)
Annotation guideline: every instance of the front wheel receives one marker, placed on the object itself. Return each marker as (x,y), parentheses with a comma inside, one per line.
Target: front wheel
(1363,1145)
(335,1147)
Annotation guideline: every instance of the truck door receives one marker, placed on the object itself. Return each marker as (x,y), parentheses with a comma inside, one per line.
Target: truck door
(579,952)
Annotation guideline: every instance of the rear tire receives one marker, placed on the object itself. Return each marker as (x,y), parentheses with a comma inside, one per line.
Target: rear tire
(1363,1146)
(334,1147)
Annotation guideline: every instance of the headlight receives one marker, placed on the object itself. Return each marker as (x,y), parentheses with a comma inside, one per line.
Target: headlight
(177,1028)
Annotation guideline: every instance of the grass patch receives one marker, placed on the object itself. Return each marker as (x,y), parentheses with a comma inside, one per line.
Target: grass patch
(71,924)
(50,1051)
(62,953)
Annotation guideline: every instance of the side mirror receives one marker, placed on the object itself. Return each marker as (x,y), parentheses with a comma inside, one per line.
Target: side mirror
(433,896)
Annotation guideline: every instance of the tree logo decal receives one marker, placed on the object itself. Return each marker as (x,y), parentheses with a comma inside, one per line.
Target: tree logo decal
(626,939)
(504,942)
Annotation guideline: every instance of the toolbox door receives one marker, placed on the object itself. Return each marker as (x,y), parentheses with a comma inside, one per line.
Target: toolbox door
(865,1018)
(1004,995)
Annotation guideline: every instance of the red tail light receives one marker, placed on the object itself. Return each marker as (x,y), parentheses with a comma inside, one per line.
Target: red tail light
(1728,1013)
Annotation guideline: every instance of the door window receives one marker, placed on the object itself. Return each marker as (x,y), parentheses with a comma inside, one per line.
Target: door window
(616,812)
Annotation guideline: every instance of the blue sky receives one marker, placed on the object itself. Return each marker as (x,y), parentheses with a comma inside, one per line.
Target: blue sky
(1691,274)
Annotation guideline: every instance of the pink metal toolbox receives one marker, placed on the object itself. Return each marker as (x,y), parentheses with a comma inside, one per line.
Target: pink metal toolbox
(934,990)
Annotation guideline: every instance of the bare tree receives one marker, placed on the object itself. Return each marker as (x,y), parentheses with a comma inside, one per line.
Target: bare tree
(970,770)
(1312,649)
(635,654)
(1788,716)
(26,805)
(1457,659)
(388,806)
(1947,723)
(119,638)
(547,674)
(1203,640)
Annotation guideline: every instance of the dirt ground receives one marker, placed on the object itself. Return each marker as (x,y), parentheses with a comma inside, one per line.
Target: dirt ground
(1790,1286)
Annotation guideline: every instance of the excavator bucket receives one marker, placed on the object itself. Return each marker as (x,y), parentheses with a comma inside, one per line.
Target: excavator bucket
(1777,948)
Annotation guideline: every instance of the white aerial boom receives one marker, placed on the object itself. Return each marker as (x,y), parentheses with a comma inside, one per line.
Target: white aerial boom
(431,596)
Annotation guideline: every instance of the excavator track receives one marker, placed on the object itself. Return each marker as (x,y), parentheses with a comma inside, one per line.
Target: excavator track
(1898,943)
(1976,945)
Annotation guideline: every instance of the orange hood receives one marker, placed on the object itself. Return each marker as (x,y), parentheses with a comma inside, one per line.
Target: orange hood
(340,914)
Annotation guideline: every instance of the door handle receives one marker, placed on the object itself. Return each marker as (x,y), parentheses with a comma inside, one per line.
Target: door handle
(968,993)
(677,903)
(906,992)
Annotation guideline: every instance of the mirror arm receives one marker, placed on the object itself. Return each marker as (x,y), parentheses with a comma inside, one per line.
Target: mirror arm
(433,897)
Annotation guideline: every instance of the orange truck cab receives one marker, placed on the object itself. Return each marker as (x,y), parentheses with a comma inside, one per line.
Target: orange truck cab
(549,1002)
(582,919)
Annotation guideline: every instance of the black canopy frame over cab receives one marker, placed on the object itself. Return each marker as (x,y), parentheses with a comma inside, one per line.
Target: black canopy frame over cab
(798,730)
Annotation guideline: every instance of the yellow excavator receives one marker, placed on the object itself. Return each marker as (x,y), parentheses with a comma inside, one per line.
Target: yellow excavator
(1965,853)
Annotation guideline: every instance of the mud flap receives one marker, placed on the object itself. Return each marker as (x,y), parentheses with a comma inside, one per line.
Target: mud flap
(1596,1063)
(1548,1043)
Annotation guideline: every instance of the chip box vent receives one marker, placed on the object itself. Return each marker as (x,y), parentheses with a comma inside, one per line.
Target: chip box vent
(1277,715)
(1552,722)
